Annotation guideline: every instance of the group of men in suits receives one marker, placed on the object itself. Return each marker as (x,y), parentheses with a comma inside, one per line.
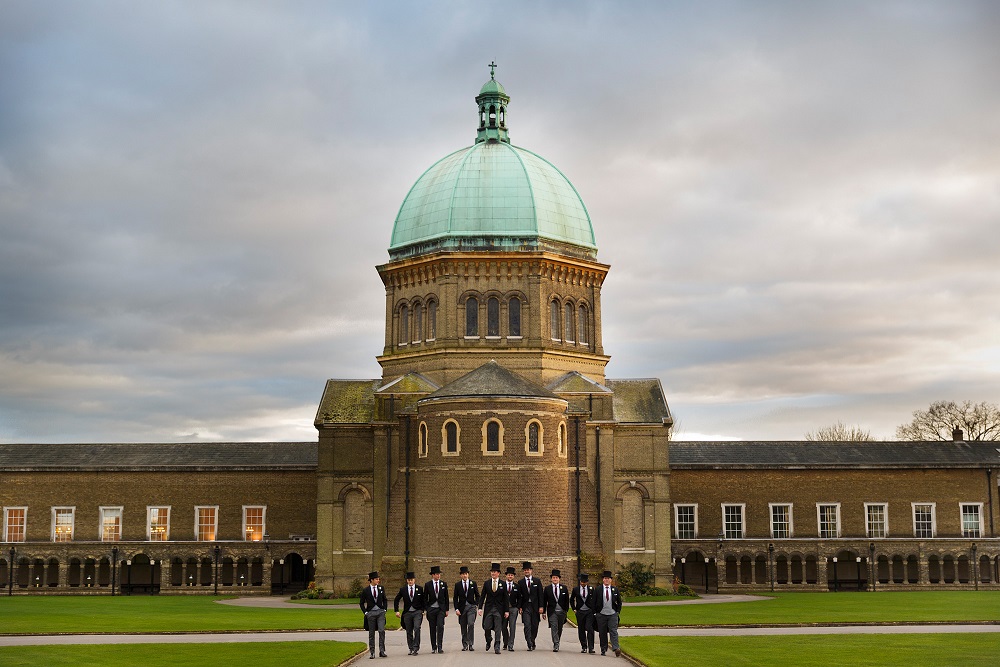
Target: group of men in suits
(499,602)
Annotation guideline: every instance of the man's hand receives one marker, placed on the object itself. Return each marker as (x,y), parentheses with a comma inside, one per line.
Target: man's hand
(397,615)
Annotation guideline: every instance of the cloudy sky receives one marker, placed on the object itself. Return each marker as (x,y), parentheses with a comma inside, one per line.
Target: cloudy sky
(800,201)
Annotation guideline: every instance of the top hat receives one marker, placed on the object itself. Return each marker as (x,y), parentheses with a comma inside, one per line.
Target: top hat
(526,565)
(411,575)
(584,576)
(555,573)
(607,574)
(463,570)
(372,575)
(495,567)
(510,569)
(435,569)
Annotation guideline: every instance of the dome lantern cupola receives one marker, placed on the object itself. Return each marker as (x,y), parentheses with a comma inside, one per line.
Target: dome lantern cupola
(492,101)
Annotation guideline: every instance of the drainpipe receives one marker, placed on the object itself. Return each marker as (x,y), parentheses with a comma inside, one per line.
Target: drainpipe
(406,446)
(388,468)
(597,476)
(989,494)
(579,550)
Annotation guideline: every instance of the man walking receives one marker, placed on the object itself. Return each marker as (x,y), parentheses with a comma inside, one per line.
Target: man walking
(529,590)
(373,606)
(436,605)
(466,601)
(493,607)
(607,606)
(513,602)
(579,602)
(556,605)
(413,611)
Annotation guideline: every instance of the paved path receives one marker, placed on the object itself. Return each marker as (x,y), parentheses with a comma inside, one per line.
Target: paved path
(281,603)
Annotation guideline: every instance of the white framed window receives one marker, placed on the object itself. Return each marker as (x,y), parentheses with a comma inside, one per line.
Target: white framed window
(158,523)
(972,519)
(781,520)
(562,449)
(877,519)
(924,520)
(110,529)
(686,522)
(62,523)
(451,443)
(828,520)
(492,437)
(533,445)
(422,447)
(206,522)
(254,522)
(732,521)
(15,524)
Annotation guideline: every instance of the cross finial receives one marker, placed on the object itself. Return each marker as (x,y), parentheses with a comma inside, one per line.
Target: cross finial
(492,66)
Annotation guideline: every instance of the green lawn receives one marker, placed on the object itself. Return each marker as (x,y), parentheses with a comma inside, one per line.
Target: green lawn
(796,608)
(300,654)
(105,614)
(932,650)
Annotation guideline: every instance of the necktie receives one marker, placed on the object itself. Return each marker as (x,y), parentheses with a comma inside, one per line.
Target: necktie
(555,593)
(435,588)
(411,592)
(374,596)
(467,589)
(494,585)
(607,594)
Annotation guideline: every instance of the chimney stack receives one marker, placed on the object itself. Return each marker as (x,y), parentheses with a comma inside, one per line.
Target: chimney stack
(957,435)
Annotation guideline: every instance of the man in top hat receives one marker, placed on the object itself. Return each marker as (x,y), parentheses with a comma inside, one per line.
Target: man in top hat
(607,606)
(493,606)
(556,605)
(579,602)
(513,602)
(466,599)
(529,588)
(374,605)
(436,606)
(413,611)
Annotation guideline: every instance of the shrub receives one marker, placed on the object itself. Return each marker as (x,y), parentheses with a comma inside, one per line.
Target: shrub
(636,579)
(354,591)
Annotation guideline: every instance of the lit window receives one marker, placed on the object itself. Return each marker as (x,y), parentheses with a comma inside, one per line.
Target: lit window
(450,445)
(686,521)
(472,317)
(781,521)
(583,325)
(432,313)
(972,519)
(15,524)
(533,444)
(418,322)
(253,522)
(514,317)
(111,524)
(158,524)
(923,520)
(828,517)
(554,319)
(493,317)
(206,523)
(62,524)
(569,320)
(732,517)
(876,520)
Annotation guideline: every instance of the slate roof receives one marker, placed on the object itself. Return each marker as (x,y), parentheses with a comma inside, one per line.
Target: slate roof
(575,382)
(411,383)
(491,380)
(159,456)
(347,402)
(747,454)
(639,401)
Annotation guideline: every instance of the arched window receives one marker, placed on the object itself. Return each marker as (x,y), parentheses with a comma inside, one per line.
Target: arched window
(514,317)
(569,321)
(493,116)
(482,117)
(554,319)
(472,317)
(357,519)
(422,440)
(418,322)
(533,445)
(493,437)
(503,113)
(450,445)
(493,316)
(561,448)
(404,325)
(432,313)
(583,324)
(633,520)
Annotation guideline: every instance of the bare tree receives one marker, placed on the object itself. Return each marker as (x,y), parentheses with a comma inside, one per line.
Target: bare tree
(978,421)
(839,432)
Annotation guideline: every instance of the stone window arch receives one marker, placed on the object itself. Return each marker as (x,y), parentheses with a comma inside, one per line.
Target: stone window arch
(583,324)
(632,498)
(472,317)
(451,444)
(493,437)
(493,317)
(422,440)
(561,448)
(569,323)
(404,325)
(554,319)
(534,445)
(514,317)
(357,517)
(418,322)
(431,320)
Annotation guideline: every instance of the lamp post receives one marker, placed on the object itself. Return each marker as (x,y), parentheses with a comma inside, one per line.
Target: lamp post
(217,550)
(871,561)
(114,568)
(10,571)
(770,564)
(975,565)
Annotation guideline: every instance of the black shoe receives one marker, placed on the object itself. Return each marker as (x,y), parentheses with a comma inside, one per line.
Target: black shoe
(602,652)
(371,656)
(440,650)
(382,654)
(583,650)
(555,650)
(416,652)
(591,651)
(488,645)
(465,648)
(497,651)
(618,653)
(471,649)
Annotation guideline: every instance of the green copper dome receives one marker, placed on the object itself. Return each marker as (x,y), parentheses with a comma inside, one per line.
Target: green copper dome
(492,196)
